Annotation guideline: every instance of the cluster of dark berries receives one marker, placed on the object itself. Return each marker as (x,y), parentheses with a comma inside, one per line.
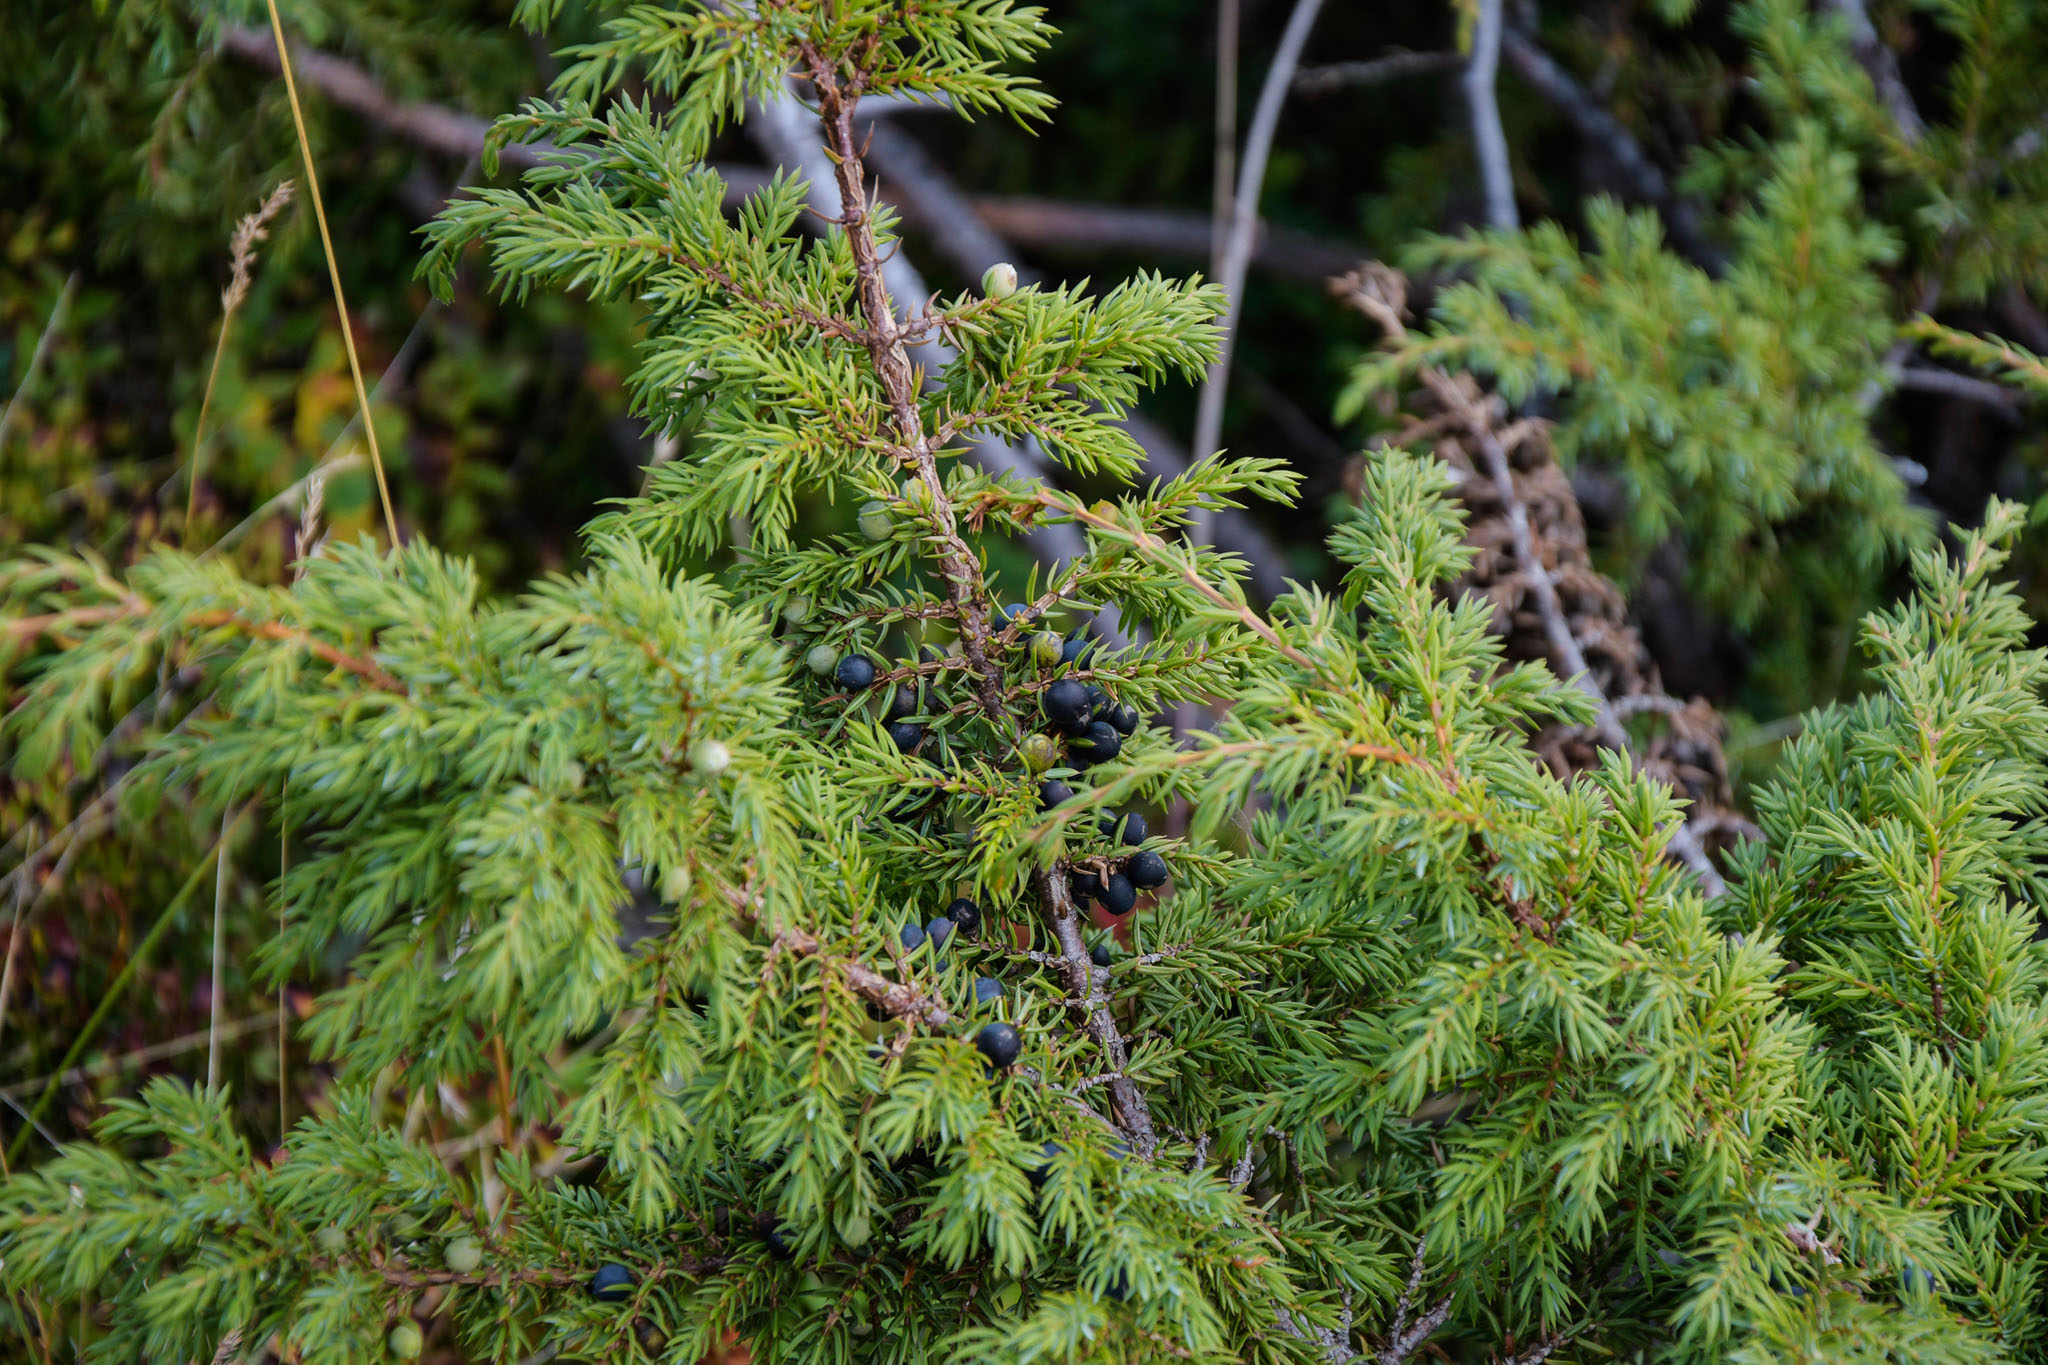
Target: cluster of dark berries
(1143,870)
(1095,726)
(963,914)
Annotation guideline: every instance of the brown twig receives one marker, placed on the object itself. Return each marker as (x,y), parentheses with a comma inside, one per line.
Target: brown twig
(897,998)
(1133,1114)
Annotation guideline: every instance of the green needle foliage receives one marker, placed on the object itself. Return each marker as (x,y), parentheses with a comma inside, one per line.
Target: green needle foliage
(1422,1041)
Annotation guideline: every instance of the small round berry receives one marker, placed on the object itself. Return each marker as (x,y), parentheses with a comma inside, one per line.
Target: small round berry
(856,673)
(1131,827)
(675,884)
(854,1229)
(938,930)
(612,1283)
(709,758)
(915,492)
(1122,719)
(912,938)
(999,281)
(1101,954)
(1051,792)
(462,1255)
(999,1043)
(1119,1288)
(797,610)
(903,702)
(1039,1171)
(875,522)
(1146,869)
(906,734)
(331,1239)
(769,1229)
(1045,649)
(1098,700)
(821,659)
(966,914)
(1010,615)
(1065,703)
(1079,649)
(405,1340)
(1038,752)
(1118,895)
(987,989)
(1085,885)
(1097,744)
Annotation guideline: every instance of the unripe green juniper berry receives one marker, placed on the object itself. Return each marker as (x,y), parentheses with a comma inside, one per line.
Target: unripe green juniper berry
(709,758)
(404,1340)
(999,281)
(1038,752)
(999,1043)
(1146,870)
(611,1283)
(874,520)
(1118,895)
(1045,649)
(856,673)
(797,610)
(462,1255)
(821,659)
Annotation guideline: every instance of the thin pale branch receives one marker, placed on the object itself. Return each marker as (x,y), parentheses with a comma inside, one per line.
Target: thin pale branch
(1489,140)
(1335,76)
(1251,179)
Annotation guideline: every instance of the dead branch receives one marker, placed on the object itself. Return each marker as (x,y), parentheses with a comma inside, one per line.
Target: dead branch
(1592,121)
(1335,76)
(1590,641)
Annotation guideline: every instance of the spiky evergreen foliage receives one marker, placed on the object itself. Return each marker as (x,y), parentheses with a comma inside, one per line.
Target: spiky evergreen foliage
(1736,406)
(1731,409)
(1429,1007)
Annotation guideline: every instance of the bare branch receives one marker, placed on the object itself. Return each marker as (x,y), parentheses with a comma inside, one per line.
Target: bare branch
(1133,1115)
(1969,388)
(1251,179)
(1327,80)
(1594,123)
(1489,140)
(1059,225)
(433,126)
(1882,66)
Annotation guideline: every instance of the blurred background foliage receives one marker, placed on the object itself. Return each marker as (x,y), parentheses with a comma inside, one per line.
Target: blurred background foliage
(1753,446)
